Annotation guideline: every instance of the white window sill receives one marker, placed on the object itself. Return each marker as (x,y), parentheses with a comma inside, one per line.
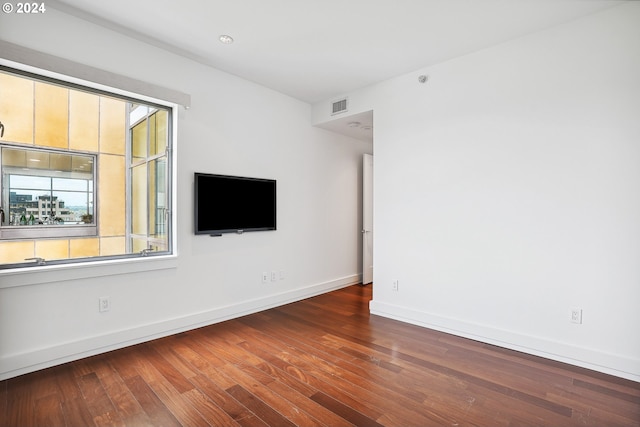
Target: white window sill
(62,272)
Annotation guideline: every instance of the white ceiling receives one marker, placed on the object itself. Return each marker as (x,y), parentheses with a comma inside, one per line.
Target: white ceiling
(315,50)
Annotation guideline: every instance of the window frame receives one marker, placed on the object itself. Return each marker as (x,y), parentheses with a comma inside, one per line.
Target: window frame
(134,161)
(88,266)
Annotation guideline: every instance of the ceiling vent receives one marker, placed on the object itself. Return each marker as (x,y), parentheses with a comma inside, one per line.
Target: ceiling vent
(339,106)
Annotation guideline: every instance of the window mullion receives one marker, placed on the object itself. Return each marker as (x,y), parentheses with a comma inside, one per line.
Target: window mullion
(128,180)
(148,153)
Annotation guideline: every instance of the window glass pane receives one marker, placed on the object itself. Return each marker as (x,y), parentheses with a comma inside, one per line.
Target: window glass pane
(158,132)
(152,135)
(16,108)
(138,244)
(84,121)
(86,216)
(162,131)
(51,115)
(139,199)
(139,141)
(16,158)
(70,184)
(37,159)
(157,197)
(157,245)
(25,182)
(71,206)
(60,162)
(82,164)
(113,126)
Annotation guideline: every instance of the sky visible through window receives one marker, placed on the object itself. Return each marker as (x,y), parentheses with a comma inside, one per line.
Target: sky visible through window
(72,191)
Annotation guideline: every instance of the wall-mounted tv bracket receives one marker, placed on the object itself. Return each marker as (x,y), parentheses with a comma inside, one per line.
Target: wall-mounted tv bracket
(220,235)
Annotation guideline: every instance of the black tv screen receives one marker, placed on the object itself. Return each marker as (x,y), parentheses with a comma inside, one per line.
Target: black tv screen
(233,204)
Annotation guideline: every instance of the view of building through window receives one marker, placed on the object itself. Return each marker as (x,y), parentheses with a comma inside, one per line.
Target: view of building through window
(44,193)
(83,174)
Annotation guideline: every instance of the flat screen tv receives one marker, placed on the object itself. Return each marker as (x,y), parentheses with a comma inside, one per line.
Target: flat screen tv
(233,204)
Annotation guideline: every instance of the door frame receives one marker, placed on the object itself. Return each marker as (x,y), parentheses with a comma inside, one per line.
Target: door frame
(367,219)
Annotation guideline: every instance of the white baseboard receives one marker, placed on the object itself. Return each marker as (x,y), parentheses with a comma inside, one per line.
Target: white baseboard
(578,356)
(23,363)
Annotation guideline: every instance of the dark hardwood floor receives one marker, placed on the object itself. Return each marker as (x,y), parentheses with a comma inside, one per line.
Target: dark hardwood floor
(320,362)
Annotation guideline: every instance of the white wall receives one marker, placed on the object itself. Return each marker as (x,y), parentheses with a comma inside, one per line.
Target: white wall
(233,127)
(507,190)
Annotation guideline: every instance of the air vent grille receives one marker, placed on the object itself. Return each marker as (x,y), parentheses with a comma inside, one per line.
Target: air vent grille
(339,106)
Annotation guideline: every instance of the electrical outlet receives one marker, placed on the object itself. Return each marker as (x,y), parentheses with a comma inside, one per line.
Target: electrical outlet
(282,276)
(104,304)
(274,276)
(576,315)
(265,277)
(395,285)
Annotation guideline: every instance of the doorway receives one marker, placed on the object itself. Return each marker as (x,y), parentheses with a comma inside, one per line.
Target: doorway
(367,219)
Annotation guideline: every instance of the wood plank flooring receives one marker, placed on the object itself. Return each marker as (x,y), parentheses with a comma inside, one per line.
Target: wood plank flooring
(320,362)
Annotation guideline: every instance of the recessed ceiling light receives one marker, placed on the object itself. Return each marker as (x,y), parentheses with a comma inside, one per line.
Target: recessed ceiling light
(225,39)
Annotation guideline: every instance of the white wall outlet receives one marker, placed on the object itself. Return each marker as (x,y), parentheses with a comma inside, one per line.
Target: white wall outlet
(274,276)
(265,277)
(576,315)
(282,276)
(104,304)
(395,285)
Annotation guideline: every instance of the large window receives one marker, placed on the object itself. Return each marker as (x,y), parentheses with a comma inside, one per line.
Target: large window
(83,174)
